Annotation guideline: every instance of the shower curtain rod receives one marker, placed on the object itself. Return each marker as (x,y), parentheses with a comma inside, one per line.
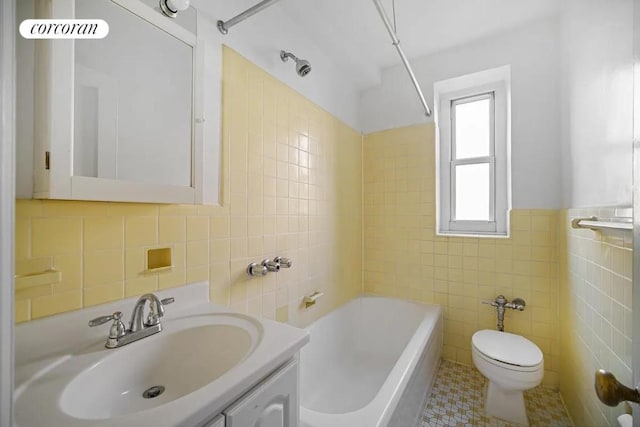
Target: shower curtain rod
(224,26)
(403,57)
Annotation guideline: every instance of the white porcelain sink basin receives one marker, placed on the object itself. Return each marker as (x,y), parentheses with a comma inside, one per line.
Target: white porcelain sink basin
(170,366)
(190,353)
(206,357)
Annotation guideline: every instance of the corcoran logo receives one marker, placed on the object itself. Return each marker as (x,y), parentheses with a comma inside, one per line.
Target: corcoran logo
(64,29)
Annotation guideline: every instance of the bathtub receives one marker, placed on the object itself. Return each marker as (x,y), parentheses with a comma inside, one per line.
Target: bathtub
(370,363)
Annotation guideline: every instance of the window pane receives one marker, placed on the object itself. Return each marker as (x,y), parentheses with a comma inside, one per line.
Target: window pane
(473,191)
(473,134)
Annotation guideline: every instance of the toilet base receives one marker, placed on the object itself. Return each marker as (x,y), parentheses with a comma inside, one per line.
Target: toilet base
(508,405)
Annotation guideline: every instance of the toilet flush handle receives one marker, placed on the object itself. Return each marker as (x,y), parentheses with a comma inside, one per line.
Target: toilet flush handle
(516,304)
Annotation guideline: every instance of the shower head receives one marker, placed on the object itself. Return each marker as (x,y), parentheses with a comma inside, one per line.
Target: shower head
(303,67)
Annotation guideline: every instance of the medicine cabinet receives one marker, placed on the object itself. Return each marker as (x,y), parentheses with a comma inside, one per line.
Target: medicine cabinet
(130,117)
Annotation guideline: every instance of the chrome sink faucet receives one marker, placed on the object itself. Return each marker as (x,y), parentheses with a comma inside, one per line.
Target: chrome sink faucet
(156,311)
(119,335)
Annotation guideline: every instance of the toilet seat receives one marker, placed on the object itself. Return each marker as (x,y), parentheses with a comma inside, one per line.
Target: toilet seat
(509,351)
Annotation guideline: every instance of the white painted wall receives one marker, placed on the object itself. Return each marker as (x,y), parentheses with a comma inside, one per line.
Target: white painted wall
(584,162)
(260,39)
(598,102)
(534,55)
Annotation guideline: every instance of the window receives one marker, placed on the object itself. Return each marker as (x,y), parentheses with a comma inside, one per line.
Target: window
(473,176)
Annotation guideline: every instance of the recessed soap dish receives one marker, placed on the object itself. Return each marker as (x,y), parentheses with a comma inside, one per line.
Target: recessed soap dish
(159,260)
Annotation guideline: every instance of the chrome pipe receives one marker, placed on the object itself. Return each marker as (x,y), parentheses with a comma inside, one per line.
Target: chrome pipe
(500,303)
(224,26)
(396,42)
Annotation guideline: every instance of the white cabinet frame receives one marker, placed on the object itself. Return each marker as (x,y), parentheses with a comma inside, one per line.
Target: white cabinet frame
(55,69)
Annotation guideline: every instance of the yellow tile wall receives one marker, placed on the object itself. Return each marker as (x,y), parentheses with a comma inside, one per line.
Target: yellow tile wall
(596,318)
(403,257)
(292,186)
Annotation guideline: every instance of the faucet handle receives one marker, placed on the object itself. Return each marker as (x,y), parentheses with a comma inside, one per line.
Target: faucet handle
(104,319)
(271,265)
(492,303)
(284,262)
(155,314)
(117,330)
(254,270)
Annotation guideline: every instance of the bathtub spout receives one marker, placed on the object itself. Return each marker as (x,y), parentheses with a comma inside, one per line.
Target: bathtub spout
(310,300)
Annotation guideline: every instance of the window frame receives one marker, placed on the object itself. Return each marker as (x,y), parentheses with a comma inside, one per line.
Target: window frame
(454,223)
(493,84)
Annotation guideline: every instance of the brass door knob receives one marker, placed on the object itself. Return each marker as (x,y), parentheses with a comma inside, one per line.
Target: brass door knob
(611,392)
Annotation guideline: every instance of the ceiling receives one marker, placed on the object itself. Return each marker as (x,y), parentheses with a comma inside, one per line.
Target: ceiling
(352,32)
(346,39)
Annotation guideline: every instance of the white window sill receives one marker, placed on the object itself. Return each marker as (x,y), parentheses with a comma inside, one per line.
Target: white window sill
(472,234)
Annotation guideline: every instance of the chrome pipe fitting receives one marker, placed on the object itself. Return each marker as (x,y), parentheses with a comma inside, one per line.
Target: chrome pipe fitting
(272,266)
(267,265)
(501,303)
(516,304)
(256,270)
(284,262)
(223,26)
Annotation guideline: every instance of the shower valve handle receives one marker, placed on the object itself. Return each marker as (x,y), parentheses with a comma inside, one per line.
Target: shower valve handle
(255,270)
(284,262)
(271,265)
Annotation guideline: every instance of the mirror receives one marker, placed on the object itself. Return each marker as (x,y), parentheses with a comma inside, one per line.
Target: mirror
(133,101)
(130,117)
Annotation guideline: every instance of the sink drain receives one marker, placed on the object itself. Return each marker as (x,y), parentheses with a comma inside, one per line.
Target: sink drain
(152,392)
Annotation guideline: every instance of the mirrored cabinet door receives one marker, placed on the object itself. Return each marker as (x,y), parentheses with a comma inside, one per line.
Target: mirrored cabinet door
(133,116)
(126,116)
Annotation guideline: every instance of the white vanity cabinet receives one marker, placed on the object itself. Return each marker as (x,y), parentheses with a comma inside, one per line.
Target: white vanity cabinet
(272,403)
(216,422)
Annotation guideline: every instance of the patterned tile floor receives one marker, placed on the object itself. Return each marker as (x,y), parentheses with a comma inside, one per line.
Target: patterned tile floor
(457,400)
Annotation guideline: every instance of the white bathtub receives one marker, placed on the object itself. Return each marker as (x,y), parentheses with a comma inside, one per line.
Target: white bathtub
(370,363)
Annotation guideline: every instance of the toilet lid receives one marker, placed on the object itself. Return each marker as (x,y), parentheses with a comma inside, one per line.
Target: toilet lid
(507,348)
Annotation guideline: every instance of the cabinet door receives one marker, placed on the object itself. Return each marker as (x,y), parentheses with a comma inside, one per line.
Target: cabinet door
(105,133)
(216,422)
(273,403)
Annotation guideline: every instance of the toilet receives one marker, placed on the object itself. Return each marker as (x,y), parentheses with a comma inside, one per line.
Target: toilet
(512,364)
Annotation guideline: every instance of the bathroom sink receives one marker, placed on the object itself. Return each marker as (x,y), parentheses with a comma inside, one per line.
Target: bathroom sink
(169,367)
(204,359)
(190,353)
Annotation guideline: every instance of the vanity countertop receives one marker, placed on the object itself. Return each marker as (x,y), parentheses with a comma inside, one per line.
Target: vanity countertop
(42,346)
